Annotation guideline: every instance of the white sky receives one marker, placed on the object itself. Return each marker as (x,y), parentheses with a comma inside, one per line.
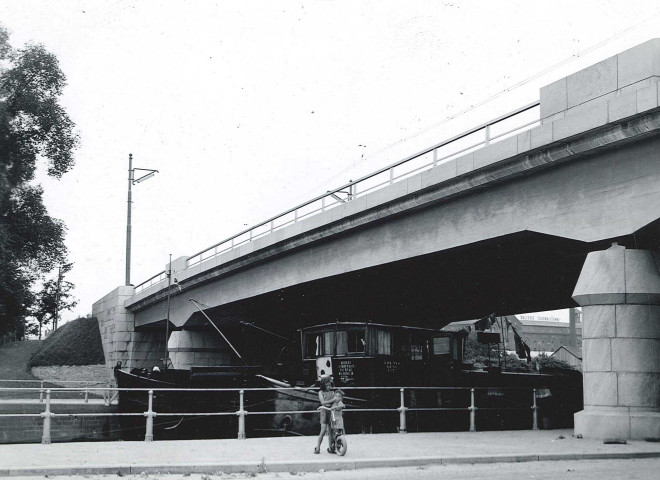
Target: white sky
(248,108)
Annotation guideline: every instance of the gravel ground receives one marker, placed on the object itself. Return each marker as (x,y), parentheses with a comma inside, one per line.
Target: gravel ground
(71,376)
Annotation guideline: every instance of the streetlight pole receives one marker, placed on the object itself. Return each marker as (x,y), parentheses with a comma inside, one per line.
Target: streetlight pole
(132,181)
(128,220)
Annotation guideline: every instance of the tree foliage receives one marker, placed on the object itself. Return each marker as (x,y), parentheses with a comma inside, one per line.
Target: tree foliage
(34,128)
(53,297)
(478,355)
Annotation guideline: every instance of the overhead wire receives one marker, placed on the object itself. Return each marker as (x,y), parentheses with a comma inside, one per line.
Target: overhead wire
(494,96)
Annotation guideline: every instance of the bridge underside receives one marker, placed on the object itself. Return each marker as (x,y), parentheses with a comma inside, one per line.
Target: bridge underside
(517,273)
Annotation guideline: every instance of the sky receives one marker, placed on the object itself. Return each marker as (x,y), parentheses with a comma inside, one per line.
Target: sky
(248,108)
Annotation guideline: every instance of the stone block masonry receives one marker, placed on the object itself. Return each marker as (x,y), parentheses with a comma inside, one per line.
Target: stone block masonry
(121,343)
(635,69)
(619,291)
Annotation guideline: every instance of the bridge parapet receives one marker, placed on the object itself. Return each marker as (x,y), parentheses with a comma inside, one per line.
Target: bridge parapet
(636,69)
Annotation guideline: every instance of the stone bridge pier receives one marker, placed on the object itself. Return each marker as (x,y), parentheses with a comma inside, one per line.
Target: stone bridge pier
(619,291)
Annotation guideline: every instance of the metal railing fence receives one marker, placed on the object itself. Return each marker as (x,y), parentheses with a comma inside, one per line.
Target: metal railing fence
(9,337)
(402,409)
(483,135)
(86,389)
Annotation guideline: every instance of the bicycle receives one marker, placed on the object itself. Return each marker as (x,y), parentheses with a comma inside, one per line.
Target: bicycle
(341,443)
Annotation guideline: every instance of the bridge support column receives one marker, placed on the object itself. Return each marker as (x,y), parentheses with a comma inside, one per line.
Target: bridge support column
(619,291)
(121,343)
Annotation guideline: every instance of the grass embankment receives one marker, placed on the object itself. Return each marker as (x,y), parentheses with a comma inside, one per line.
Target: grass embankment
(72,353)
(14,359)
(75,343)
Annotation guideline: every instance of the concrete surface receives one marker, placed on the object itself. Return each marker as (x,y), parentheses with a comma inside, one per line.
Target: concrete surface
(295,454)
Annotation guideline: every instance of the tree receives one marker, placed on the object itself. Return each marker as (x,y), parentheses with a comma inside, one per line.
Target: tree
(54,297)
(33,128)
(478,354)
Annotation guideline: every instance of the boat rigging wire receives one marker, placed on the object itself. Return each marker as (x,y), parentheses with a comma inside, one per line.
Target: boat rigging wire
(194,302)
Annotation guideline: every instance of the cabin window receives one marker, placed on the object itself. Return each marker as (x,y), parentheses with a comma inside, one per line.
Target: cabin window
(328,343)
(456,351)
(342,342)
(441,346)
(419,346)
(356,341)
(383,342)
(318,344)
(416,352)
(312,345)
(350,342)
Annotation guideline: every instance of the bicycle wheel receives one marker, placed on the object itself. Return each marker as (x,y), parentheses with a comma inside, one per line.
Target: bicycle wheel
(341,445)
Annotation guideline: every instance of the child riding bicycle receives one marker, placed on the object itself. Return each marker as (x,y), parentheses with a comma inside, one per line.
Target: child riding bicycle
(337,417)
(338,443)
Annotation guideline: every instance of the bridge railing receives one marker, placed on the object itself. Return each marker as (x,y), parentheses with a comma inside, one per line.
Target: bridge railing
(400,408)
(478,137)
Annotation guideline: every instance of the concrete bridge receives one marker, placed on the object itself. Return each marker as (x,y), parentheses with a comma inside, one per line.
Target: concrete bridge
(500,219)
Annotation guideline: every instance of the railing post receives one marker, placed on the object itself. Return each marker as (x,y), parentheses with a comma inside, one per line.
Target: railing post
(241,416)
(41,392)
(535,423)
(106,396)
(323,204)
(86,392)
(402,413)
(47,415)
(473,411)
(391,175)
(150,414)
(487,141)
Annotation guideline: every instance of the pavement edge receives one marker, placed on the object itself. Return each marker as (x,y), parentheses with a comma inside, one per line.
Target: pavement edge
(313,465)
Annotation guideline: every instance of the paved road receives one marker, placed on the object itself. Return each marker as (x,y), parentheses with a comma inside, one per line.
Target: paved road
(637,469)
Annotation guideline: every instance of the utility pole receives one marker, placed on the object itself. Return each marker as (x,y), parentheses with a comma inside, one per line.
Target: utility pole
(128,220)
(132,181)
